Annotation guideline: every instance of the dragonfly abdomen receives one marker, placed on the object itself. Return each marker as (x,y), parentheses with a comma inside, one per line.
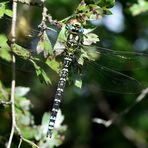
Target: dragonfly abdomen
(59,93)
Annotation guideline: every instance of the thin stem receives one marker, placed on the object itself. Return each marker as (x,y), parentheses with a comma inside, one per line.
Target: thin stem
(20,142)
(12,97)
(109,122)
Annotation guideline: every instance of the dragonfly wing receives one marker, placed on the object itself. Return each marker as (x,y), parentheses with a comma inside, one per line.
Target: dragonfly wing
(110,80)
(120,60)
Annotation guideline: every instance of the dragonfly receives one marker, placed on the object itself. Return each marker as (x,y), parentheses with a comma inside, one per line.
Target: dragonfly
(118,82)
(105,63)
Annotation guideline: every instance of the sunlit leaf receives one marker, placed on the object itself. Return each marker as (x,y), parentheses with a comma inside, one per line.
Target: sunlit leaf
(23,103)
(41,73)
(90,38)
(106,3)
(53,64)
(78,82)
(57,137)
(61,36)
(2,9)
(140,7)
(31,143)
(44,45)
(4,49)
(21,91)
(4,94)
(20,51)
(8,12)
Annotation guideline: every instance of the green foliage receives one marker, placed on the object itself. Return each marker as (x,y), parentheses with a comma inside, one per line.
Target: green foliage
(138,8)
(25,120)
(78,110)
(106,3)
(4,49)
(4,10)
(44,45)
(41,73)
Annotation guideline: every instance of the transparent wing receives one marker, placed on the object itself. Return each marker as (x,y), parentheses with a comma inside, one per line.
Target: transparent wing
(120,60)
(110,80)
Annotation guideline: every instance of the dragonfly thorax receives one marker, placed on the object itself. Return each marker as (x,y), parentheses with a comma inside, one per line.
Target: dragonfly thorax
(74,37)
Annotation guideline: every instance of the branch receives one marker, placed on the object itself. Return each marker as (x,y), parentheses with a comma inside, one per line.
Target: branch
(12,97)
(109,122)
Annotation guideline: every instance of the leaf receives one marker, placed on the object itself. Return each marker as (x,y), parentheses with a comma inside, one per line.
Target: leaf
(57,136)
(106,11)
(8,12)
(53,64)
(90,38)
(106,3)
(89,53)
(78,82)
(61,36)
(59,48)
(21,91)
(4,49)
(23,103)
(60,43)
(82,57)
(139,8)
(22,52)
(30,142)
(5,10)
(44,45)
(41,74)
(2,9)
(4,94)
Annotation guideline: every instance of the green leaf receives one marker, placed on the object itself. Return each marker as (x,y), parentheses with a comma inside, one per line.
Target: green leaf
(87,52)
(4,94)
(106,11)
(139,8)
(41,74)
(31,143)
(8,12)
(23,103)
(90,38)
(21,91)
(61,36)
(60,43)
(2,9)
(53,64)
(5,10)
(45,119)
(78,82)
(4,49)
(22,52)
(106,3)
(44,45)
(82,57)
(57,135)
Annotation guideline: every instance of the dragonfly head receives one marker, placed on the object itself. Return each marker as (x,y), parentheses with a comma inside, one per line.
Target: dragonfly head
(74,26)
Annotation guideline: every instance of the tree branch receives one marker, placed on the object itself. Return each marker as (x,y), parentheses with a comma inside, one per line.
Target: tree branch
(12,97)
(109,122)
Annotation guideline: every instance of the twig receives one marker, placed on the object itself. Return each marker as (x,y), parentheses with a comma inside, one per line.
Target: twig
(20,142)
(42,25)
(109,122)
(12,97)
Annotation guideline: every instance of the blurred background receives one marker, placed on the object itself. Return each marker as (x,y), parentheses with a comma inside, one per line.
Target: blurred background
(123,30)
